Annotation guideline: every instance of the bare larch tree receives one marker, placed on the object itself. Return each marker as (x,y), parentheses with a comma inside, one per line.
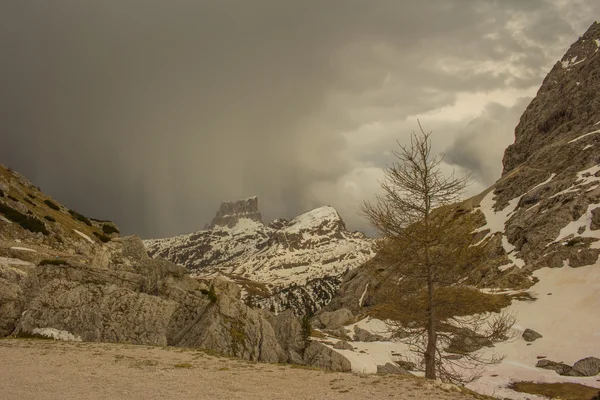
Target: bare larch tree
(427,248)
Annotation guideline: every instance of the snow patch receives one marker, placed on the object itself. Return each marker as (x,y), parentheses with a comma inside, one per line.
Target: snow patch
(23,249)
(584,221)
(583,136)
(362,297)
(83,235)
(13,261)
(568,321)
(589,146)
(312,219)
(572,62)
(56,334)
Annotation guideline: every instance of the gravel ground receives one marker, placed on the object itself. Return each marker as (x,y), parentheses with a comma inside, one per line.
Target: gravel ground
(43,369)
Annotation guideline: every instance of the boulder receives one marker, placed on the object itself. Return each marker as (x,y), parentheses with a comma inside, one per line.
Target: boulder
(230,327)
(589,366)
(320,356)
(333,319)
(468,342)
(560,368)
(407,365)
(288,331)
(12,302)
(339,333)
(363,335)
(390,368)
(343,345)
(529,335)
(226,287)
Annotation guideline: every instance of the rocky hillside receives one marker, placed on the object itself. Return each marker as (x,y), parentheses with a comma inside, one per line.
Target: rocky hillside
(29,215)
(545,209)
(293,264)
(62,276)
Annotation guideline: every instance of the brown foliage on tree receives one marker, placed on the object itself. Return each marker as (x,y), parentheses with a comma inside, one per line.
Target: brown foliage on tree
(427,247)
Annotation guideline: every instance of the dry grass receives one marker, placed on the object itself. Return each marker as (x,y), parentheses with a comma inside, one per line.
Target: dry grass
(564,391)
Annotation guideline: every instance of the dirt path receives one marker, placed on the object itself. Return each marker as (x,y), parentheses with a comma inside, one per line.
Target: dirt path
(41,369)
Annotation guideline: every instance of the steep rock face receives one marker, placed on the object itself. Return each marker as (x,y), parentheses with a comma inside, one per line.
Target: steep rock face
(543,211)
(132,298)
(543,207)
(566,105)
(292,264)
(231,212)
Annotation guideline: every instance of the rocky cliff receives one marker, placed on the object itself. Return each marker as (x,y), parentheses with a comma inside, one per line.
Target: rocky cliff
(545,209)
(293,264)
(230,213)
(57,281)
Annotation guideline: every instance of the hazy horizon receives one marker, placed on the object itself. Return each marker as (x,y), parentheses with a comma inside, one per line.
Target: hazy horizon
(151,113)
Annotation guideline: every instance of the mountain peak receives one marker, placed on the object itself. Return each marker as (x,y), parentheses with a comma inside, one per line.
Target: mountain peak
(231,212)
(566,103)
(321,217)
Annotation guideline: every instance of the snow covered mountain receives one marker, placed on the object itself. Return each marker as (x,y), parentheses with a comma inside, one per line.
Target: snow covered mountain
(285,264)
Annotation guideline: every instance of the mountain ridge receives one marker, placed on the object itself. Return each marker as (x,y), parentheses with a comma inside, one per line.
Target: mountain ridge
(313,247)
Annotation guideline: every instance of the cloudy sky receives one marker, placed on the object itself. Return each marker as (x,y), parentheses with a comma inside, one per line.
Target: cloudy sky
(152,112)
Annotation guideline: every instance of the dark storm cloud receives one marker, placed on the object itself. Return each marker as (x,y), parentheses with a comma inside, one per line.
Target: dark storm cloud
(151,112)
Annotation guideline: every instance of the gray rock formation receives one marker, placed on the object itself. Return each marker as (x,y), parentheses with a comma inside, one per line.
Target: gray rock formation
(363,335)
(289,334)
(320,356)
(559,367)
(589,366)
(231,212)
(392,369)
(343,345)
(130,298)
(333,320)
(529,335)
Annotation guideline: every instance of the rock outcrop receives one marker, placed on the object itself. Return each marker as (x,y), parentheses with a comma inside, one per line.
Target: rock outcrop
(529,335)
(230,213)
(391,369)
(294,264)
(333,320)
(132,298)
(589,366)
(320,356)
(343,345)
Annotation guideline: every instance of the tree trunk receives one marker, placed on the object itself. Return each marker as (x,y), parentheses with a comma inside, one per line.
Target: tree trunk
(431,333)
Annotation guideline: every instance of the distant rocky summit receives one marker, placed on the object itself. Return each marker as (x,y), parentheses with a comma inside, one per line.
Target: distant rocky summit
(295,264)
(230,213)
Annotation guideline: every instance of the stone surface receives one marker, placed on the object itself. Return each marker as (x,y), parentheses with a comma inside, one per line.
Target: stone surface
(529,335)
(343,345)
(390,368)
(559,367)
(333,320)
(589,366)
(231,212)
(362,335)
(224,286)
(320,356)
